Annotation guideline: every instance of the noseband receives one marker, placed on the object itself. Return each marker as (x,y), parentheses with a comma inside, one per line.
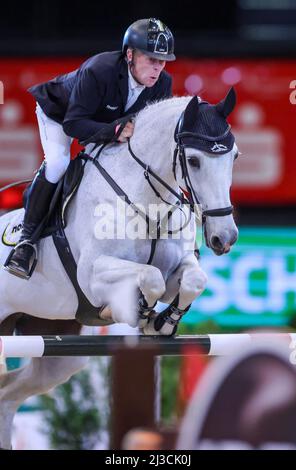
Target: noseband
(180,153)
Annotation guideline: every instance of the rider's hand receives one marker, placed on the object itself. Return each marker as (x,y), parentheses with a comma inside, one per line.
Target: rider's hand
(126,132)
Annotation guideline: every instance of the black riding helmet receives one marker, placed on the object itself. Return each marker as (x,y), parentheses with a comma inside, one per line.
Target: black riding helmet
(152,37)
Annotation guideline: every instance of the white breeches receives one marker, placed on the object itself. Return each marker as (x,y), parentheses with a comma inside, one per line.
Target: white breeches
(56,145)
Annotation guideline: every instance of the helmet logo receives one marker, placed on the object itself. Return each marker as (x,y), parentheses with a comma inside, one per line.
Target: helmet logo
(161,44)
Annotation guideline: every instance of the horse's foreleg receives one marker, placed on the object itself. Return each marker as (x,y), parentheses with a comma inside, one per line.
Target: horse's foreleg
(183,286)
(119,283)
(39,376)
(189,281)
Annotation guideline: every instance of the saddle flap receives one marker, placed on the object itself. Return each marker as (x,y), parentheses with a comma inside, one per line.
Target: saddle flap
(71,182)
(65,191)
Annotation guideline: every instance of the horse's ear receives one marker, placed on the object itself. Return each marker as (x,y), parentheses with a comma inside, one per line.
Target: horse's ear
(191,113)
(225,107)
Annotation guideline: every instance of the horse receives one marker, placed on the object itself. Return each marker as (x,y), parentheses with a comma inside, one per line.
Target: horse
(181,142)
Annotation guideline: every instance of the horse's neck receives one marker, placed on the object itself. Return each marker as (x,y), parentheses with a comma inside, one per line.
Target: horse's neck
(154,134)
(153,143)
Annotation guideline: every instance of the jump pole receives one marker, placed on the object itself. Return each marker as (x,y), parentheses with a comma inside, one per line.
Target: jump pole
(75,345)
(134,379)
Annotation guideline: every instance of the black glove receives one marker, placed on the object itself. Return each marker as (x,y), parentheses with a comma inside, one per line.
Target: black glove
(107,133)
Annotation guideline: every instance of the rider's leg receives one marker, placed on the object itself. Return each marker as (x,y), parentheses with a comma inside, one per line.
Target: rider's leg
(56,145)
(37,205)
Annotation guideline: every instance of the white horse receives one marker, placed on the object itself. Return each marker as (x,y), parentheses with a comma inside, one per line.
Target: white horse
(112,268)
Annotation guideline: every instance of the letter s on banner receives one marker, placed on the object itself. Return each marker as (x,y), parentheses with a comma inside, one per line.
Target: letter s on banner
(293,93)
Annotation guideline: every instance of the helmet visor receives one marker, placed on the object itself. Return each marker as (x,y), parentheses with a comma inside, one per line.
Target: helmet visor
(159,56)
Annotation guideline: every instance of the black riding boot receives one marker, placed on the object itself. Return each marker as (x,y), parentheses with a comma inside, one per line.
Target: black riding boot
(21,262)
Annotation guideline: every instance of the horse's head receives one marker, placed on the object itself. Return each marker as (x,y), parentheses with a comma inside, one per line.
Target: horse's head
(207,151)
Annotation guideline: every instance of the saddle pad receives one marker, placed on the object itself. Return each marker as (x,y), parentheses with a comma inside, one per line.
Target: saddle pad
(12,232)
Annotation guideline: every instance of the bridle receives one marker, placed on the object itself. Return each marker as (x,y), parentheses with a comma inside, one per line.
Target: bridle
(157,228)
(179,137)
(179,151)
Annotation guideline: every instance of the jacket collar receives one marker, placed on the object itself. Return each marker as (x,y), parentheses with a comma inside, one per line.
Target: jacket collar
(123,86)
(123,80)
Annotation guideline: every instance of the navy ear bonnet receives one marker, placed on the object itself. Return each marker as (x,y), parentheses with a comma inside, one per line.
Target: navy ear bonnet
(204,126)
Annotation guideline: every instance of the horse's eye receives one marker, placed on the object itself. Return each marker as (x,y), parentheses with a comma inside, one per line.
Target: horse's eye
(194,162)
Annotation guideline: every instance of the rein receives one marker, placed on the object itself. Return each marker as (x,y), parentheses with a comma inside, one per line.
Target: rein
(157,230)
(17,183)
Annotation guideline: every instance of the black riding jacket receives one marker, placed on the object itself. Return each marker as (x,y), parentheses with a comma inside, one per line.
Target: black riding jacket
(89,102)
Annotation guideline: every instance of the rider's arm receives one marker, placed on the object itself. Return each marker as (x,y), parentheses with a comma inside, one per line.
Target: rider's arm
(85,99)
(117,128)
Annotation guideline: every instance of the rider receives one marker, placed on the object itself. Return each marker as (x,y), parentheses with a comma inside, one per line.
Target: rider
(92,104)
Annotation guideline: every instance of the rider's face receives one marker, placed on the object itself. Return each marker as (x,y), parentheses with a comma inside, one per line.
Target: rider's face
(145,70)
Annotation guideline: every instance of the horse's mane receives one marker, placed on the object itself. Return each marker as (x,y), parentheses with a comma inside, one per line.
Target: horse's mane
(157,117)
(148,119)
(161,105)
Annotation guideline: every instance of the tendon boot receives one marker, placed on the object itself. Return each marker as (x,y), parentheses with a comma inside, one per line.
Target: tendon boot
(23,258)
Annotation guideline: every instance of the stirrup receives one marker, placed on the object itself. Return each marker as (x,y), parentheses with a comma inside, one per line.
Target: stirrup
(14,269)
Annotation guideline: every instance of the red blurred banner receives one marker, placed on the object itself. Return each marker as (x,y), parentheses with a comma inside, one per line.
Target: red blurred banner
(263,121)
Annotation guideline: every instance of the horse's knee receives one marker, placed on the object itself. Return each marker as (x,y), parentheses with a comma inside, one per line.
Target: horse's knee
(151,281)
(194,281)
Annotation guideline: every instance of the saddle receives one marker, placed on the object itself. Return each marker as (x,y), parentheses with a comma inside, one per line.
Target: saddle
(63,195)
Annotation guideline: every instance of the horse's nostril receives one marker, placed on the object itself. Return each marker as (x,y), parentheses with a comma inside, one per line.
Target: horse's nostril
(216,242)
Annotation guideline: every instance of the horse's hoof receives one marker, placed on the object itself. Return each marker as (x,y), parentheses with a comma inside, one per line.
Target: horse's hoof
(163,327)
(168,330)
(143,322)
(149,330)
